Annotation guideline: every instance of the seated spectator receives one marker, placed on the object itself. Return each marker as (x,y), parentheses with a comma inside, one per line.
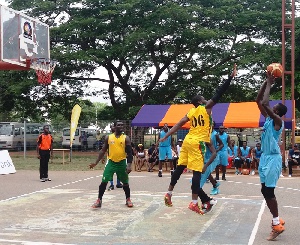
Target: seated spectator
(232,155)
(256,154)
(152,157)
(244,158)
(141,157)
(293,158)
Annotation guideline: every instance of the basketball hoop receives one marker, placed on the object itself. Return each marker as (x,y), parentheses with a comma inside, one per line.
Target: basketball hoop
(44,69)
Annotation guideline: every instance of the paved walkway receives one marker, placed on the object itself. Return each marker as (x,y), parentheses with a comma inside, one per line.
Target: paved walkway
(58,212)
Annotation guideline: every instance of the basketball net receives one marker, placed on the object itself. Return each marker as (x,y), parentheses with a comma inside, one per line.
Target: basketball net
(44,69)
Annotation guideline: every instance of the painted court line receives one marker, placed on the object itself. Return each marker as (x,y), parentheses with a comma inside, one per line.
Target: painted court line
(256,225)
(49,188)
(34,243)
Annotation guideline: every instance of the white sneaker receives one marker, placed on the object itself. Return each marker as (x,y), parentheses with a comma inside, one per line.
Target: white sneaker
(281,175)
(252,172)
(290,175)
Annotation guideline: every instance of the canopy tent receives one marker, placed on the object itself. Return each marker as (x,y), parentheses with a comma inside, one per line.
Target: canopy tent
(231,115)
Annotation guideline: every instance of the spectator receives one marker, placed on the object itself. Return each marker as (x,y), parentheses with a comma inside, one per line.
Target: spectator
(152,157)
(256,154)
(141,154)
(44,150)
(178,148)
(83,140)
(98,140)
(232,154)
(293,158)
(244,154)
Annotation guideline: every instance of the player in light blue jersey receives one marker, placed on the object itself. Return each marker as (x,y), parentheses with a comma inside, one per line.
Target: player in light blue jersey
(218,144)
(223,153)
(271,160)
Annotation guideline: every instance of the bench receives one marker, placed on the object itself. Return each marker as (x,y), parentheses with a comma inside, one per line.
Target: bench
(63,154)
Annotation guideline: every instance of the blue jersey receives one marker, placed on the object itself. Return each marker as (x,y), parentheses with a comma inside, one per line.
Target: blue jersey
(165,143)
(224,138)
(245,152)
(214,142)
(270,138)
(235,151)
(258,152)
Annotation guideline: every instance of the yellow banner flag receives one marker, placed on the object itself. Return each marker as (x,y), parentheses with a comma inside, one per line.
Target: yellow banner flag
(74,121)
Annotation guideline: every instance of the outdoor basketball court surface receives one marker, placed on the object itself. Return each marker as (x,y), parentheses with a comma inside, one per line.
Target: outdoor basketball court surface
(59,212)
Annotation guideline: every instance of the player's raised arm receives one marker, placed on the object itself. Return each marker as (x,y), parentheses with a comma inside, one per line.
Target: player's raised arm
(221,90)
(266,105)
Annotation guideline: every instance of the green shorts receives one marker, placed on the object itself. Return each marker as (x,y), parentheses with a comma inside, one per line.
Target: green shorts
(115,167)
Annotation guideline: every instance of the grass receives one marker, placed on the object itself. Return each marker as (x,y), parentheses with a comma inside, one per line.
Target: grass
(78,163)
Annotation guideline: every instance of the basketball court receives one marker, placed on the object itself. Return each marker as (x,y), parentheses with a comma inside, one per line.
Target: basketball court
(59,212)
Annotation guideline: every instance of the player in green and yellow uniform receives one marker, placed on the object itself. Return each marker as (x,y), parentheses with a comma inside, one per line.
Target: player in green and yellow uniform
(193,148)
(118,146)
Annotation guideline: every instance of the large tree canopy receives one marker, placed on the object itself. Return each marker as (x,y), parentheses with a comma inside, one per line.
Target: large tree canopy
(157,52)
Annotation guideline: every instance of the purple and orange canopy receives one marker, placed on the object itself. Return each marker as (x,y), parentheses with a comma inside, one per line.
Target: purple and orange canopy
(231,115)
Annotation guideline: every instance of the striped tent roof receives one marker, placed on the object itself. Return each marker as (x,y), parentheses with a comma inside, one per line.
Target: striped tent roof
(231,115)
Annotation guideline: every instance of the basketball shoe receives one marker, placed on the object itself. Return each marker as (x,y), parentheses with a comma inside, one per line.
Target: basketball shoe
(276,231)
(207,206)
(168,201)
(195,208)
(97,204)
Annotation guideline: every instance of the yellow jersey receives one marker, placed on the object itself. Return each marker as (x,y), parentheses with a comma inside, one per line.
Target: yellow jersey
(116,147)
(200,124)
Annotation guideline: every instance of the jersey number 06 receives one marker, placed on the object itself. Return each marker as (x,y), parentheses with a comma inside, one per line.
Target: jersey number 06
(198,121)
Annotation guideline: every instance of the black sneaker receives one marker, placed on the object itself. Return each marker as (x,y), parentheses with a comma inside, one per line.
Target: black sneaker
(223,178)
(172,171)
(42,180)
(159,174)
(119,186)
(111,188)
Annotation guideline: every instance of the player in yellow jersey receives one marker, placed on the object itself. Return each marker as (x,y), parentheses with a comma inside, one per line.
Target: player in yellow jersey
(193,148)
(118,146)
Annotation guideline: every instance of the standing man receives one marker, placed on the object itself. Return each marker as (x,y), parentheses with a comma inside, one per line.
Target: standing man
(44,149)
(165,149)
(223,153)
(193,147)
(271,160)
(118,146)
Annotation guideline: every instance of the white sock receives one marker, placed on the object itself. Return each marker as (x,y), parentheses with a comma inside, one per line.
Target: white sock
(170,193)
(275,221)
(195,201)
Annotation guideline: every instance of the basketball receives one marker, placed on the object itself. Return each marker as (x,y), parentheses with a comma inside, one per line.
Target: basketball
(245,171)
(275,69)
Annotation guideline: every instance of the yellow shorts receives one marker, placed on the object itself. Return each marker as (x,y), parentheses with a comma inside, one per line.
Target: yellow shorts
(192,154)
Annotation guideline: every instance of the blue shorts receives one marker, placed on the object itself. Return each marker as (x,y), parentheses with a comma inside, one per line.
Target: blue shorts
(223,155)
(165,152)
(270,169)
(209,170)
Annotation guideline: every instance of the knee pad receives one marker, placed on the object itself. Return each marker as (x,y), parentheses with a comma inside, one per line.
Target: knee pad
(268,192)
(196,182)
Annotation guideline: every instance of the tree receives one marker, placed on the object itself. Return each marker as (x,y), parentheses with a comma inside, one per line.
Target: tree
(160,51)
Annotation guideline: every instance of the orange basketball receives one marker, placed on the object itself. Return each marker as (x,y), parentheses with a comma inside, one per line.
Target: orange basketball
(276,69)
(245,171)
